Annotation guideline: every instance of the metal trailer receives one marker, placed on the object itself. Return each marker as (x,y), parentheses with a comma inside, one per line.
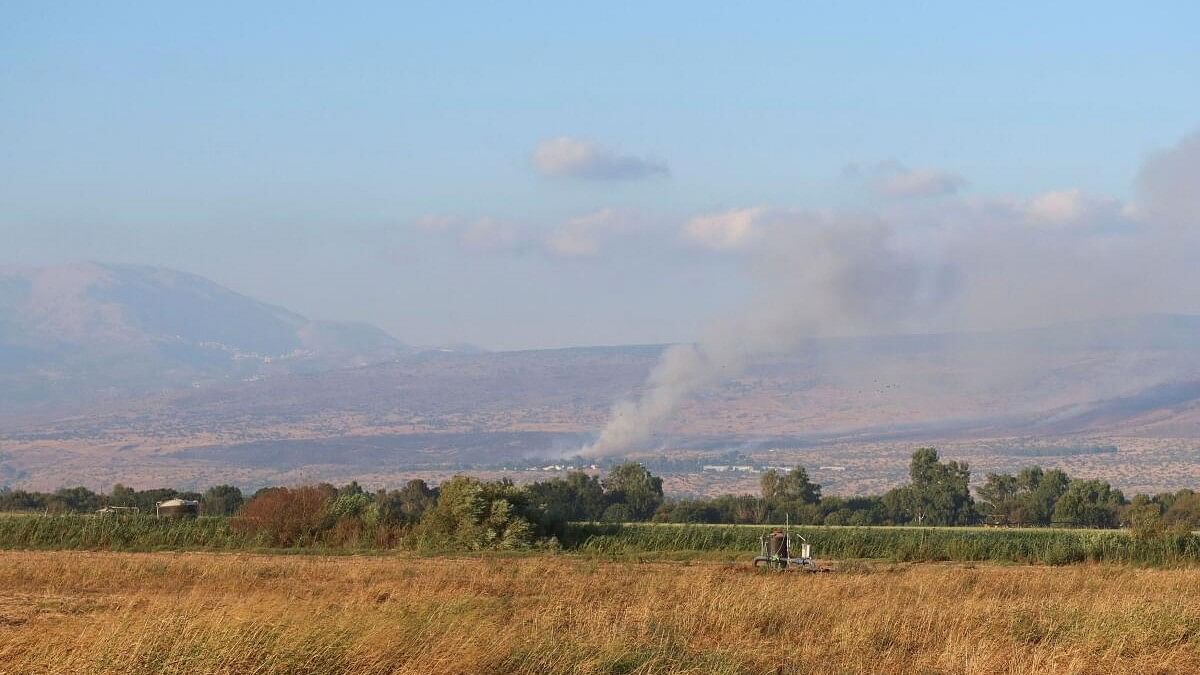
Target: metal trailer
(775,551)
(118,511)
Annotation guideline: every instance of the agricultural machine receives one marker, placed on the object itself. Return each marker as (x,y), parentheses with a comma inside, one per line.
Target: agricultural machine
(776,552)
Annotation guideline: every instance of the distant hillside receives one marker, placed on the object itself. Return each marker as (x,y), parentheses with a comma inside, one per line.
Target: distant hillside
(858,405)
(77,331)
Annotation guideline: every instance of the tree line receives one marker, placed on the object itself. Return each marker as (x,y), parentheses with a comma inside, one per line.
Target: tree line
(462,512)
(938,493)
(499,514)
(220,500)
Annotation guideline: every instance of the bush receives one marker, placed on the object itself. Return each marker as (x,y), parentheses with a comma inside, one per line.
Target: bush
(407,505)
(473,515)
(221,500)
(287,516)
(618,513)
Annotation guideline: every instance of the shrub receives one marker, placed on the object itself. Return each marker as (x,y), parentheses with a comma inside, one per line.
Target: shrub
(631,485)
(406,505)
(618,513)
(287,516)
(221,500)
(474,515)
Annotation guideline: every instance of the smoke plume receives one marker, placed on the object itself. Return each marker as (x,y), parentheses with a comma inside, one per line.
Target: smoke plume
(813,273)
(962,263)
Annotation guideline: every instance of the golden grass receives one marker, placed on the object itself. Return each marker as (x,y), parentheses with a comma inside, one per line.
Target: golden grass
(244,613)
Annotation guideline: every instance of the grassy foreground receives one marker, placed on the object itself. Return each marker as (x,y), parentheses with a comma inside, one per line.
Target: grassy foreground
(248,613)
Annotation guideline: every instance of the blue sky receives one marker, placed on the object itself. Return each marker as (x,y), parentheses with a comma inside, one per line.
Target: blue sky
(337,158)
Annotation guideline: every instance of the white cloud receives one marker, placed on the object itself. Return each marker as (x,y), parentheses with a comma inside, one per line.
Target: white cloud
(489,234)
(583,236)
(726,231)
(437,222)
(921,183)
(576,158)
(893,180)
(571,243)
(1077,209)
(1061,206)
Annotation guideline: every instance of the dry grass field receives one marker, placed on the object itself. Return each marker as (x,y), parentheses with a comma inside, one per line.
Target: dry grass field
(242,613)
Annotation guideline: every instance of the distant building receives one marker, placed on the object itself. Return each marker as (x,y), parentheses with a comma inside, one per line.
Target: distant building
(177,508)
(728,467)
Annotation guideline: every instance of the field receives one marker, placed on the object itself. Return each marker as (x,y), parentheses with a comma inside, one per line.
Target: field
(724,542)
(117,595)
(246,613)
(902,544)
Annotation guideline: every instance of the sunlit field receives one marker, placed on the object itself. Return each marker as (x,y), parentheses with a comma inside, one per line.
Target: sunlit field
(248,613)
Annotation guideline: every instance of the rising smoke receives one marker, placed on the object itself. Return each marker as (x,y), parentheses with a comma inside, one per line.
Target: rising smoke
(956,263)
(814,272)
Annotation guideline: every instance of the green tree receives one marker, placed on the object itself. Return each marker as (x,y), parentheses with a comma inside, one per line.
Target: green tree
(22,500)
(75,499)
(792,487)
(1089,503)
(744,509)
(406,505)
(1143,517)
(576,497)
(897,504)
(122,496)
(221,500)
(351,488)
(350,505)
(998,498)
(939,492)
(618,513)
(688,511)
(475,515)
(633,485)
(1184,510)
(1028,498)
(146,499)
(1042,490)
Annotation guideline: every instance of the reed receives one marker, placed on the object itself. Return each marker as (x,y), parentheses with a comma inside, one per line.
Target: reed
(125,533)
(899,544)
(896,544)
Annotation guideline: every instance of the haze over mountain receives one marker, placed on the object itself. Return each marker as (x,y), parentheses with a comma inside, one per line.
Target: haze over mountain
(860,403)
(75,332)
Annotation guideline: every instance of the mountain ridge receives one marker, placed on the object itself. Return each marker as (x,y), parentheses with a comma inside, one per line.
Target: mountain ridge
(102,329)
(159,393)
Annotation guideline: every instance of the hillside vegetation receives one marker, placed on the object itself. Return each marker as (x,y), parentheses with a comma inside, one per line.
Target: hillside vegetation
(856,403)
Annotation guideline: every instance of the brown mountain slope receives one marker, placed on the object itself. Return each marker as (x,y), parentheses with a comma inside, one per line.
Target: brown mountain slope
(868,399)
